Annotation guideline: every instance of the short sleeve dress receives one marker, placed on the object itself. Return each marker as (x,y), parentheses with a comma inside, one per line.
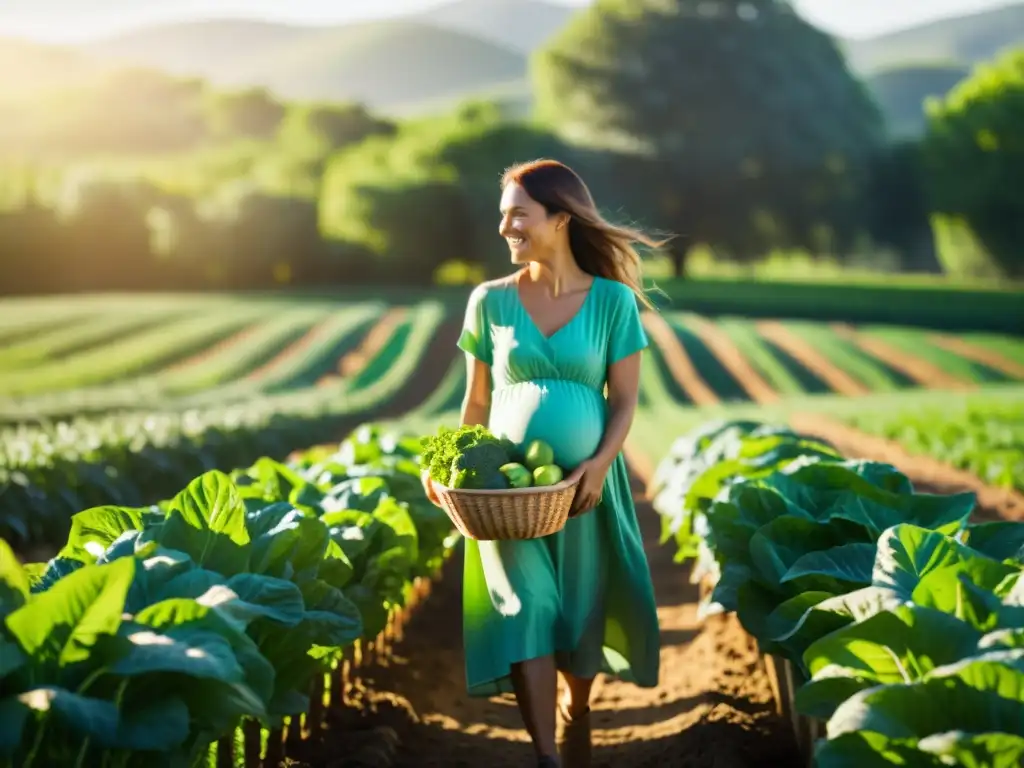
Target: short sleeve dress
(584,593)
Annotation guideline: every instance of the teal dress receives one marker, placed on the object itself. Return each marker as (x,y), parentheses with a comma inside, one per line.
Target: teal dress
(584,593)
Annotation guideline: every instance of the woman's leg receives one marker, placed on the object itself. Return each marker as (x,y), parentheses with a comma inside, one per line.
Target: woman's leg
(574,745)
(576,699)
(536,686)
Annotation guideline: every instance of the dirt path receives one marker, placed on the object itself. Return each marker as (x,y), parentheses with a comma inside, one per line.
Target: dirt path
(734,361)
(679,363)
(917,369)
(838,380)
(713,708)
(926,473)
(988,357)
(373,342)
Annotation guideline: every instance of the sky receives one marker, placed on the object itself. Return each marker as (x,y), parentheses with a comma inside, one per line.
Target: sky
(79,20)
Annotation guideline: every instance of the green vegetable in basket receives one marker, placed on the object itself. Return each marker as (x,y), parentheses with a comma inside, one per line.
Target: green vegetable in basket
(549,474)
(539,454)
(518,475)
(468,457)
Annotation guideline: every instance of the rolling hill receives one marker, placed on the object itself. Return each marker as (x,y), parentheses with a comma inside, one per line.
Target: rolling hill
(429,60)
(963,40)
(902,91)
(522,25)
(384,64)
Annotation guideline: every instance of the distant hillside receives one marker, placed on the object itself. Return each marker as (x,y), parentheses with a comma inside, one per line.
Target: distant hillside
(965,39)
(384,64)
(901,94)
(27,68)
(430,60)
(221,51)
(523,25)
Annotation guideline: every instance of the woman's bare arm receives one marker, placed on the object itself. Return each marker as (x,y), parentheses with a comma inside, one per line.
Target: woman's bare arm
(476,405)
(623,392)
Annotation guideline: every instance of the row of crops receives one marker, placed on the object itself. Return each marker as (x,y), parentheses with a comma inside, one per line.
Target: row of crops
(159,631)
(139,352)
(244,397)
(902,620)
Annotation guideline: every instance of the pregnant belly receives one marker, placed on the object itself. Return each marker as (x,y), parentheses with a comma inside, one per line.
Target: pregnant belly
(569,417)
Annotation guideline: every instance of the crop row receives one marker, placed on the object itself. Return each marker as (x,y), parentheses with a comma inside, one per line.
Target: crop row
(902,620)
(179,355)
(248,355)
(981,436)
(49,473)
(157,631)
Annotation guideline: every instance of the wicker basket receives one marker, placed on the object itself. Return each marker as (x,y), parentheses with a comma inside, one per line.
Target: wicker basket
(516,513)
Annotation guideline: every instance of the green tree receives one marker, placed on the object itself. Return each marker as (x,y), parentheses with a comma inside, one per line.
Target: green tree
(252,113)
(974,155)
(747,130)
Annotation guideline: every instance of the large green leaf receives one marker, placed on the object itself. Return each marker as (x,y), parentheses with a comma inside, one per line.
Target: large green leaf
(1002,540)
(907,553)
(156,726)
(14,583)
(95,529)
(61,625)
(976,750)
(175,616)
(14,714)
(852,563)
(898,646)
(860,749)
(207,521)
(187,651)
(978,695)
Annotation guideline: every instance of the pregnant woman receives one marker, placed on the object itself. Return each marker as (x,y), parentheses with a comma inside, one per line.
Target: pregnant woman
(542,346)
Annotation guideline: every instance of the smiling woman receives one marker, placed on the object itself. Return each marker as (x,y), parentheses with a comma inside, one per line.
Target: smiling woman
(542,345)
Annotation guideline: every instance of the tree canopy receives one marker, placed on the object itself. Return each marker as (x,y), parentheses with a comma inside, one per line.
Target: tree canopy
(974,155)
(744,121)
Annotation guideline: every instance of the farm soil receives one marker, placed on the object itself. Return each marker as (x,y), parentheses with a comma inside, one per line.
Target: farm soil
(927,474)
(372,343)
(978,354)
(922,371)
(712,709)
(837,379)
(678,362)
(734,361)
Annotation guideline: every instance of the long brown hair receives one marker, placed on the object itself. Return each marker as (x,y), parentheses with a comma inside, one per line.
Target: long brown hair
(600,248)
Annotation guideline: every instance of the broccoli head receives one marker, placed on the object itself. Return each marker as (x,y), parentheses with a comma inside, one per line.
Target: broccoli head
(456,456)
(479,466)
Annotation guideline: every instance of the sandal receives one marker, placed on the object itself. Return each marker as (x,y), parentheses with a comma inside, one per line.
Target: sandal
(574,744)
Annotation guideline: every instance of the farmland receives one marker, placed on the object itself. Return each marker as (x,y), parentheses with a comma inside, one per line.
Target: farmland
(122,402)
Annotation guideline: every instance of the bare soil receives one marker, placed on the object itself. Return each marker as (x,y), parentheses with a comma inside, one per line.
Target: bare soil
(837,379)
(928,474)
(735,362)
(988,357)
(373,342)
(678,362)
(712,709)
(917,369)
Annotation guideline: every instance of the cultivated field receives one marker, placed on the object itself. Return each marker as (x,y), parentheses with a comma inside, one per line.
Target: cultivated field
(120,403)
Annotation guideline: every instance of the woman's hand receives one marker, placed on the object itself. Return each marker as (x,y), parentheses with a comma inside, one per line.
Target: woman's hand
(428,488)
(591,475)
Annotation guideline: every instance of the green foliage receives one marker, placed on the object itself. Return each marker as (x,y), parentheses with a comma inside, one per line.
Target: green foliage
(975,159)
(984,438)
(903,620)
(691,87)
(156,631)
(433,182)
(468,457)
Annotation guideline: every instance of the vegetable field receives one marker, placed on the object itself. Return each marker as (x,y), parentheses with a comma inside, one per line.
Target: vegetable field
(186,578)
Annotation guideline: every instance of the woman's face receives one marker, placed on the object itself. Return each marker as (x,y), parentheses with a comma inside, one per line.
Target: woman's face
(531,234)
